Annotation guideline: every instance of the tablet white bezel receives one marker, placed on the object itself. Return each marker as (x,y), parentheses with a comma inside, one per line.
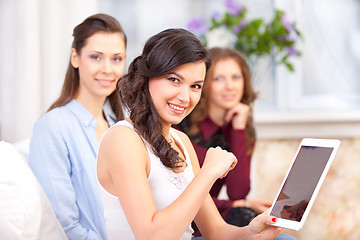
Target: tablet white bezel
(312,142)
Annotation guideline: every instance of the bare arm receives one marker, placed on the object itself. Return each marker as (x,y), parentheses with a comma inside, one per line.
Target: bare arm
(123,164)
(212,225)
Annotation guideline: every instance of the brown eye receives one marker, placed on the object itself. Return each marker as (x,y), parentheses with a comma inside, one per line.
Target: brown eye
(173,80)
(197,86)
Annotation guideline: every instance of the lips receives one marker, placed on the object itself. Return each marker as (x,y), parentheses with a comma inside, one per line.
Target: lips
(177,107)
(105,82)
(228,97)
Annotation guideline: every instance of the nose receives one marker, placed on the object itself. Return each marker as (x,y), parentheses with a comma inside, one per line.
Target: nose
(107,67)
(229,83)
(184,94)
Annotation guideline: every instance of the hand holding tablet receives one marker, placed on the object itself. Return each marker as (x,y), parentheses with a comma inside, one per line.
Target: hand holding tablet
(303,181)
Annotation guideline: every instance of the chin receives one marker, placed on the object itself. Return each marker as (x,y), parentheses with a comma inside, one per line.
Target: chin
(176,121)
(230,106)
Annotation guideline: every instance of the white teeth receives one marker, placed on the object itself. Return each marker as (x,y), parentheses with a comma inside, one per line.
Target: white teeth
(176,107)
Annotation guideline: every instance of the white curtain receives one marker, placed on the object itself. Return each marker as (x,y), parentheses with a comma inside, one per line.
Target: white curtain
(35,46)
(327,74)
(36,37)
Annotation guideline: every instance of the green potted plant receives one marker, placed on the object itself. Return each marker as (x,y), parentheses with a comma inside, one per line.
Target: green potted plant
(253,38)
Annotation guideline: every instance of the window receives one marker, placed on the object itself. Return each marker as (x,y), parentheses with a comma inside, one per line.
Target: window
(320,99)
(327,75)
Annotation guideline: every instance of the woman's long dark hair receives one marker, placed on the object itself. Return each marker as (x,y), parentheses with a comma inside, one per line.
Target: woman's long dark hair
(201,111)
(82,32)
(162,53)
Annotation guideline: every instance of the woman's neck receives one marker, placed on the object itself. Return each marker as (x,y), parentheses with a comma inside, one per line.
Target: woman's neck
(96,109)
(217,115)
(166,131)
(94,106)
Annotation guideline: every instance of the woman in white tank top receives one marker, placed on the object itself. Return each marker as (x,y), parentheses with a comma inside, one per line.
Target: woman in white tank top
(151,183)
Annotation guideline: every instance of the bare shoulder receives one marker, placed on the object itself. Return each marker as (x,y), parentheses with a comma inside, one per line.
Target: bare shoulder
(120,135)
(123,162)
(119,143)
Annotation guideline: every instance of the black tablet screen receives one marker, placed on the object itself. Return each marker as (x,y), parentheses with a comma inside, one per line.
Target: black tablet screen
(301,182)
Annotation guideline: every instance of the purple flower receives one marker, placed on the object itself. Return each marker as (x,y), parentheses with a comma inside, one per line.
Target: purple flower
(291,51)
(233,7)
(243,23)
(216,15)
(237,29)
(287,24)
(197,26)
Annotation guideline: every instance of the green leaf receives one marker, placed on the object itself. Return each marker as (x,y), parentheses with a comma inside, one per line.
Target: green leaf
(258,38)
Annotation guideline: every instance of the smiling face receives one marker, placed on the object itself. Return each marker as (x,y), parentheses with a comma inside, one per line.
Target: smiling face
(227,85)
(101,63)
(175,94)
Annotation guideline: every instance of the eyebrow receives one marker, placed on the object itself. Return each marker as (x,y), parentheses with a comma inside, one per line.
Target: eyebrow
(178,75)
(181,77)
(120,53)
(199,81)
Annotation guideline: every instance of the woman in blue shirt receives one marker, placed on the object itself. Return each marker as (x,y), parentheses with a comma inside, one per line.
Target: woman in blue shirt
(65,140)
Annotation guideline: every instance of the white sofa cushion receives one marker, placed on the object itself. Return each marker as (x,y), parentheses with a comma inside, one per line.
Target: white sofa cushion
(25,210)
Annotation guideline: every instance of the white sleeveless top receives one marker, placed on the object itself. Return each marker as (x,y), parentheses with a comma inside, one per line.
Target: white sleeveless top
(166,187)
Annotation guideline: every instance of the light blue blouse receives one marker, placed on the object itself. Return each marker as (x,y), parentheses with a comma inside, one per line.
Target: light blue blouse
(63,151)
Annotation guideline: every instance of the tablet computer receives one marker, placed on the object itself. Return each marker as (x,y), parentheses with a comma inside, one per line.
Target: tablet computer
(303,181)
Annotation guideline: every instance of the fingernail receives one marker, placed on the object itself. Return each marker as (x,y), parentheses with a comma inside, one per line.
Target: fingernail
(273,219)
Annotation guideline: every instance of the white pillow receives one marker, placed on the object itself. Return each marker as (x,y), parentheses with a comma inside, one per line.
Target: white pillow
(25,210)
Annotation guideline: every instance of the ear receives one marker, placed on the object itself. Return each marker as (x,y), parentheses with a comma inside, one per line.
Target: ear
(74,58)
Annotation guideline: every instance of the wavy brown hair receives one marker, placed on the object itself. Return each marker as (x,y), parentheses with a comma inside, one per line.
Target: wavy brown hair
(82,32)
(201,111)
(162,53)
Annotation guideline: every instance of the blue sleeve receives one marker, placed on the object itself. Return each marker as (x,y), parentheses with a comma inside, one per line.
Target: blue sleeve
(49,160)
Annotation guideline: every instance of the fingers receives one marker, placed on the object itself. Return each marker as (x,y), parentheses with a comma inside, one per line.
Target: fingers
(234,160)
(266,203)
(238,110)
(233,164)
(260,224)
(238,115)
(221,160)
(259,204)
(225,174)
(265,217)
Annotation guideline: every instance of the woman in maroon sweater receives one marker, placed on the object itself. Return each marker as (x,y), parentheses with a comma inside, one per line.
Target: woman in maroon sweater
(223,118)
